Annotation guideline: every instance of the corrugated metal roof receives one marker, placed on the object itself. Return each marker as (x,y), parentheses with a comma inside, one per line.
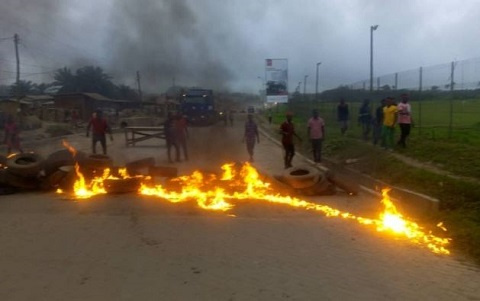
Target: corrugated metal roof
(96,96)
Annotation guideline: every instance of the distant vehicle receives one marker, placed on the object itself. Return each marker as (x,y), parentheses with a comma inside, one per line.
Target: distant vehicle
(251,110)
(198,105)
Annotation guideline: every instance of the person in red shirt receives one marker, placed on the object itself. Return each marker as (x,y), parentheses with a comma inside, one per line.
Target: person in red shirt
(99,128)
(288,131)
(12,138)
(181,134)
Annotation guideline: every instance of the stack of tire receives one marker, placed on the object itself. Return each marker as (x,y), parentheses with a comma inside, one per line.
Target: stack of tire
(20,171)
(309,181)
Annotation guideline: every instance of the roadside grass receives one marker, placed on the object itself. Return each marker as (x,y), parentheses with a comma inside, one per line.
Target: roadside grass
(459,155)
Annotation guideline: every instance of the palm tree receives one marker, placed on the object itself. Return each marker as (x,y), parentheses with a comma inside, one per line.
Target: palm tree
(65,78)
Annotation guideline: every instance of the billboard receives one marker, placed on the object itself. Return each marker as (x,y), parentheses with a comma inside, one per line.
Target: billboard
(276,80)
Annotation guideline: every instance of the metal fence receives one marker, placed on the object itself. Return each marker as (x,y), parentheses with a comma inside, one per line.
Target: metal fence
(445,97)
(457,75)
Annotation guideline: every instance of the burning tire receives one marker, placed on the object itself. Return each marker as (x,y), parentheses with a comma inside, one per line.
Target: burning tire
(322,187)
(301,177)
(133,167)
(98,161)
(343,183)
(122,185)
(61,158)
(53,180)
(26,183)
(25,165)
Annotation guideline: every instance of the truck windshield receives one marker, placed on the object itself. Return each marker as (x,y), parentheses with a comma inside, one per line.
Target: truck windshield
(195,99)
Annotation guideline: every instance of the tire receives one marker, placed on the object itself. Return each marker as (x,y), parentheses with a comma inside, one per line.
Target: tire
(53,180)
(133,167)
(163,171)
(301,177)
(122,185)
(62,158)
(25,165)
(98,161)
(346,185)
(21,182)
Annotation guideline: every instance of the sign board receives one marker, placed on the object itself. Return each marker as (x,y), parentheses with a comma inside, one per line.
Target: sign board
(276,80)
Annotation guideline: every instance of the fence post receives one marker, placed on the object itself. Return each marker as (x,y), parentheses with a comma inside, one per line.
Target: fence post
(452,82)
(420,102)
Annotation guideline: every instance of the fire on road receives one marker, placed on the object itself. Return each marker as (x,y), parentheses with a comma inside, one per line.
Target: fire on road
(243,182)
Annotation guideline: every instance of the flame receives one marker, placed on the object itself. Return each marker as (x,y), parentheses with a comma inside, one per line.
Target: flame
(70,148)
(217,193)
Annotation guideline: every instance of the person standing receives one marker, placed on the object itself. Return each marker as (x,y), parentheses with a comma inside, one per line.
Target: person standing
(251,135)
(343,115)
(389,121)
(170,137)
(12,138)
(365,118)
(270,116)
(100,128)
(316,132)
(181,134)
(378,123)
(404,119)
(288,131)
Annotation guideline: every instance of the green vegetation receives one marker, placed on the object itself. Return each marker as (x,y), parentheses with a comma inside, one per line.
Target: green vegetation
(454,152)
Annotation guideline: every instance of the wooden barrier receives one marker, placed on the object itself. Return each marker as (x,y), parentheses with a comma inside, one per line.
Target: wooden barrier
(134,134)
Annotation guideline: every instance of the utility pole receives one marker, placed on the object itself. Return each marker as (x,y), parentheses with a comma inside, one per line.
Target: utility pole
(396,81)
(452,83)
(316,83)
(305,87)
(139,86)
(15,41)
(372,28)
(420,101)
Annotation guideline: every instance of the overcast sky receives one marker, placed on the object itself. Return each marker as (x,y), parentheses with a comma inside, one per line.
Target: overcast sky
(223,44)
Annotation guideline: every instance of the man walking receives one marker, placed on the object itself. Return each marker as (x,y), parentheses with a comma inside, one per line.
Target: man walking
(99,128)
(404,119)
(181,134)
(316,132)
(250,135)
(288,131)
(170,137)
(389,121)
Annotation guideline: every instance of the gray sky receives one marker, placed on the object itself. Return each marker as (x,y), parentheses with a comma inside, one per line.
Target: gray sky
(223,44)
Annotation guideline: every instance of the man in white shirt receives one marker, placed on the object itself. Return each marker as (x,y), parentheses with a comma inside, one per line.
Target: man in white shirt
(404,119)
(316,133)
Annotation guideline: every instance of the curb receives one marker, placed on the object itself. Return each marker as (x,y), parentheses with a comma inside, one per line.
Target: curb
(410,200)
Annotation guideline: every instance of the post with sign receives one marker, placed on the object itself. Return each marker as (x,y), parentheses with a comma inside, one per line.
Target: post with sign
(276,80)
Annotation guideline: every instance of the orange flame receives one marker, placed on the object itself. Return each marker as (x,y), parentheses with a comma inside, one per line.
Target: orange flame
(214,193)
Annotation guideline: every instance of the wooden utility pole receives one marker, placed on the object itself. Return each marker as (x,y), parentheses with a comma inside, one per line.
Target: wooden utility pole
(15,41)
(139,86)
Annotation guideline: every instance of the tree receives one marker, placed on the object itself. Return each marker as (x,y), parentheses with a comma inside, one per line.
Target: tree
(93,79)
(386,88)
(126,92)
(22,88)
(434,88)
(65,78)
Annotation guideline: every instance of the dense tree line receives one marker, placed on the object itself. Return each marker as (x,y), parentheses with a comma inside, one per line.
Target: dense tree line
(88,79)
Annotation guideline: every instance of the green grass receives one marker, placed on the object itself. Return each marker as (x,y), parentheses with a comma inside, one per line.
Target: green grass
(456,152)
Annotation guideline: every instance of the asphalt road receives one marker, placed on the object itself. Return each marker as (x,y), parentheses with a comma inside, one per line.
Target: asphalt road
(128,247)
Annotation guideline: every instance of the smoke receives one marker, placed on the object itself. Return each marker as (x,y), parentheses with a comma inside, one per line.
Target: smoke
(166,40)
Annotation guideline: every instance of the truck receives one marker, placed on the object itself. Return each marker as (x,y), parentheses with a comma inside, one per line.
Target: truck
(198,105)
